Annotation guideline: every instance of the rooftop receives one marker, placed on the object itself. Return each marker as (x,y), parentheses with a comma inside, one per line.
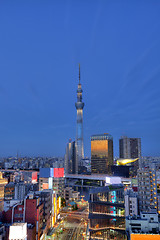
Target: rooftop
(104,136)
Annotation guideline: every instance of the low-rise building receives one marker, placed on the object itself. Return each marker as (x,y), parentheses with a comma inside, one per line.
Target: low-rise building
(3,183)
(9,191)
(2,231)
(70,195)
(145,223)
(30,210)
(18,231)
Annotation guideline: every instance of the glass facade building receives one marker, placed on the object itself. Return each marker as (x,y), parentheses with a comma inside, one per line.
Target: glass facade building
(107,212)
(101,153)
(70,158)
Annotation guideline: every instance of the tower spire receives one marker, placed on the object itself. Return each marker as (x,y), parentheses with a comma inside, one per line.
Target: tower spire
(79,74)
(79,128)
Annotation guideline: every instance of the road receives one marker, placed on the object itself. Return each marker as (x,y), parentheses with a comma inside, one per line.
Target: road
(73,226)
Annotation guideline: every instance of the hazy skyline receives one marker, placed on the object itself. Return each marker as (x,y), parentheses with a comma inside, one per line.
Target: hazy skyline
(41,45)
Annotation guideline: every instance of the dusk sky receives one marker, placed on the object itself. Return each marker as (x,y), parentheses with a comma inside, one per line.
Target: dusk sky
(117,43)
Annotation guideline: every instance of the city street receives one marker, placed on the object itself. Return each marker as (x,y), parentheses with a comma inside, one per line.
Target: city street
(72,226)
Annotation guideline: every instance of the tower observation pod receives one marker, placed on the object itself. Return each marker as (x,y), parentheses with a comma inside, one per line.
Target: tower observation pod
(79,127)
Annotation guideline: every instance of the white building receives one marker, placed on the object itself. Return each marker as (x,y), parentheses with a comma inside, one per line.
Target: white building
(18,231)
(145,223)
(131,203)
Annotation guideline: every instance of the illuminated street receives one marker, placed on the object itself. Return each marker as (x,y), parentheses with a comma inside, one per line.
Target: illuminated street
(73,225)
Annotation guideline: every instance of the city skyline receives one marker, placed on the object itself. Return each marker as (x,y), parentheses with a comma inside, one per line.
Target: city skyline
(117,46)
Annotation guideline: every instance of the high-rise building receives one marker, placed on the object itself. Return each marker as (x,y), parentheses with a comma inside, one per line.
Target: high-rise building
(147,189)
(129,147)
(101,153)
(79,128)
(70,158)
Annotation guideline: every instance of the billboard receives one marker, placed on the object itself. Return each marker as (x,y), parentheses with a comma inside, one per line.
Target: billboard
(145,236)
(51,172)
(45,186)
(58,172)
(34,177)
(50,182)
(113,180)
(46,172)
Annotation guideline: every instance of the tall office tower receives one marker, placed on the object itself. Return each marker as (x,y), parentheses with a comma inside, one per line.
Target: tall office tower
(129,147)
(70,158)
(101,153)
(147,189)
(79,128)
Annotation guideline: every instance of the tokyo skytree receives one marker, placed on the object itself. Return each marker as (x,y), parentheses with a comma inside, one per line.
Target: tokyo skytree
(79,127)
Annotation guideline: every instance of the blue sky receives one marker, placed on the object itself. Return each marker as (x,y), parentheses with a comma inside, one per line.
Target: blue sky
(41,44)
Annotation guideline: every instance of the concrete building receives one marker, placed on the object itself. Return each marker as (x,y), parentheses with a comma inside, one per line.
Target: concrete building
(147,189)
(52,178)
(16,176)
(18,231)
(3,183)
(59,185)
(129,147)
(16,191)
(145,223)
(85,166)
(101,153)
(46,197)
(30,211)
(9,191)
(10,203)
(70,195)
(20,191)
(131,203)
(79,127)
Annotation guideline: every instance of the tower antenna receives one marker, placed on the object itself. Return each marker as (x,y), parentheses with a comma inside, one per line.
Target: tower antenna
(79,74)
